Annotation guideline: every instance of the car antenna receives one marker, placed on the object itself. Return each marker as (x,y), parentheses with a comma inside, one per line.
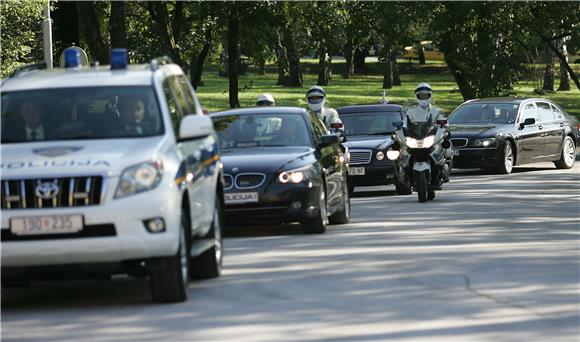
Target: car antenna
(384,100)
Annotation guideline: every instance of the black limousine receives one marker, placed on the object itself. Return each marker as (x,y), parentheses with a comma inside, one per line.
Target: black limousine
(368,131)
(499,133)
(281,165)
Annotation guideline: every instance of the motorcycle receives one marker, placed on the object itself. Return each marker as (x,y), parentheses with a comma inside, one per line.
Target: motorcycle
(422,156)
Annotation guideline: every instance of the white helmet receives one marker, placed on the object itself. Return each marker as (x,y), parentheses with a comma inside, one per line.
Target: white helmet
(315,97)
(424,94)
(265,100)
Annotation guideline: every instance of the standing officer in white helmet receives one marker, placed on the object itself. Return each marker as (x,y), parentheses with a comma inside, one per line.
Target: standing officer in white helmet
(265,100)
(316,97)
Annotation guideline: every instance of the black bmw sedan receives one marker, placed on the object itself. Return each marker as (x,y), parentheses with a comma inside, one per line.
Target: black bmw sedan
(368,130)
(500,133)
(280,165)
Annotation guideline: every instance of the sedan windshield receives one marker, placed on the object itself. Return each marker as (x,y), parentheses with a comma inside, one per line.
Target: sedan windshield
(80,113)
(485,113)
(262,130)
(370,123)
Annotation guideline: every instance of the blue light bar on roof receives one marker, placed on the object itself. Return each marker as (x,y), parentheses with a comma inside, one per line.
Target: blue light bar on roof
(118,58)
(72,58)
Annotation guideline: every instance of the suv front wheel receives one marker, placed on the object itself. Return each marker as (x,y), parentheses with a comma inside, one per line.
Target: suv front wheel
(169,284)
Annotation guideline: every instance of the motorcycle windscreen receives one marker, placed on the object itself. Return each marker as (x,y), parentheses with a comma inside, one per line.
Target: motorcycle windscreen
(418,130)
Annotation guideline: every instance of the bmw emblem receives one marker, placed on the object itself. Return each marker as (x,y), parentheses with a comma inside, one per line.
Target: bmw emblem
(235,169)
(47,190)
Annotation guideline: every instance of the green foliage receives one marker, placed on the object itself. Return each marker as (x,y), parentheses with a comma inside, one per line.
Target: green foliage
(480,42)
(21,26)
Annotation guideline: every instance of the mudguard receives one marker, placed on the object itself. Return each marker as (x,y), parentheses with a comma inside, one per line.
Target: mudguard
(421,166)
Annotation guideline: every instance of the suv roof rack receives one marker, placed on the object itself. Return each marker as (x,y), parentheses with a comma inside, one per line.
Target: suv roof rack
(156,62)
(28,67)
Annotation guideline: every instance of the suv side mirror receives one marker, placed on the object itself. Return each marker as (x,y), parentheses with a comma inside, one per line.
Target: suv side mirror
(195,127)
(329,139)
(527,122)
(398,125)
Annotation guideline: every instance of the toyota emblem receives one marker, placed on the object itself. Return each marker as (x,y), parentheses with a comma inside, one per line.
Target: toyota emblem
(47,190)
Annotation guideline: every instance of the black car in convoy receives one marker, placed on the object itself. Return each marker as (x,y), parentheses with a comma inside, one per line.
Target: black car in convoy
(499,133)
(280,165)
(368,131)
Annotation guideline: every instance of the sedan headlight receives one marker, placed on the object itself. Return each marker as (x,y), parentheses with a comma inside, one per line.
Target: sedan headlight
(424,143)
(139,178)
(293,176)
(484,142)
(380,155)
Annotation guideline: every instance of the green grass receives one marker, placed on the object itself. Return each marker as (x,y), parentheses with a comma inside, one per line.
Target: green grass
(358,90)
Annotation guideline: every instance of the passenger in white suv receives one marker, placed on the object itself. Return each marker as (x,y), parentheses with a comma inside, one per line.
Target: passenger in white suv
(143,202)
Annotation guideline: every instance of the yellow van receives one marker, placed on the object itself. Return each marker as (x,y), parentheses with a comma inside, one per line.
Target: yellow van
(431,52)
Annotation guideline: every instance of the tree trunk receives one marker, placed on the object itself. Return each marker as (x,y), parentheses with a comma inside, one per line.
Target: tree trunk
(561,57)
(295,74)
(421,54)
(322,65)
(360,55)
(564,74)
(467,90)
(91,29)
(387,74)
(396,74)
(281,61)
(549,71)
(66,26)
(160,15)
(117,26)
(262,67)
(233,57)
(348,51)
(197,65)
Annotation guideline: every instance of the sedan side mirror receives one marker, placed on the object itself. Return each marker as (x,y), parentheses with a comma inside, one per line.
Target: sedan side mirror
(527,122)
(195,127)
(329,139)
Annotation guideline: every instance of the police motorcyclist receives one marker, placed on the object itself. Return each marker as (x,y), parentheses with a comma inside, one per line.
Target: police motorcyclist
(423,110)
(265,100)
(316,98)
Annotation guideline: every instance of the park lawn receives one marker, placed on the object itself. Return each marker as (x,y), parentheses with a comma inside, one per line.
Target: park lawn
(363,89)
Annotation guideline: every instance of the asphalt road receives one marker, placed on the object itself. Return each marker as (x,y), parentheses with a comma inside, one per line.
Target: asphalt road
(492,258)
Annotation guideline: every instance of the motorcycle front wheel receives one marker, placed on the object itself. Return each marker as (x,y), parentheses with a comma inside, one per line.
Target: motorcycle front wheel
(421,185)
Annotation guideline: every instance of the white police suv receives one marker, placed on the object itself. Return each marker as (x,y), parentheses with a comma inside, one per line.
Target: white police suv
(109,170)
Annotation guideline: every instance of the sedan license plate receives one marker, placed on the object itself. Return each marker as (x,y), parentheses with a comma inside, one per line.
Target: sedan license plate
(356,171)
(55,224)
(241,197)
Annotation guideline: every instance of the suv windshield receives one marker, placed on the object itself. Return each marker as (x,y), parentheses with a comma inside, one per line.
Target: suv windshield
(366,123)
(261,130)
(80,113)
(485,113)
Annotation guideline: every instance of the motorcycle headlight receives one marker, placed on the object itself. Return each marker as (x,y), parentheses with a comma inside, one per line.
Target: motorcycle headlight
(411,142)
(393,154)
(293,176)
(380,155)
(484,142)
(424,143)
(139,178)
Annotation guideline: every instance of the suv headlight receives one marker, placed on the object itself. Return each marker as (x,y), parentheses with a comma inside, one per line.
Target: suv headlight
(484,142)
(294,176)
(139,178)
(424,143)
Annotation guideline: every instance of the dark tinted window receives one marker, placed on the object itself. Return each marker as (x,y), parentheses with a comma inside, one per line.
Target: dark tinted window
(262,130)
(80,113)
(485,113)
(370,123)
